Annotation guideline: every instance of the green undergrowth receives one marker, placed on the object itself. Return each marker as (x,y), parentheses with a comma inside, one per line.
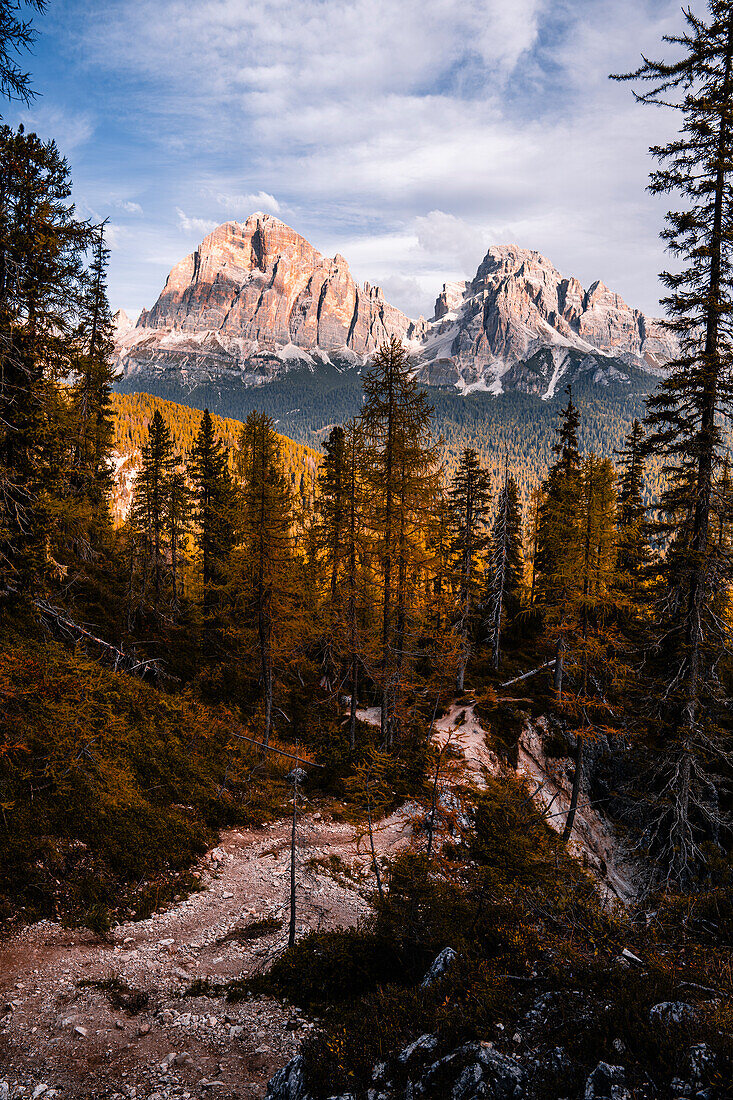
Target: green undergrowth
(526,921)
(110,789)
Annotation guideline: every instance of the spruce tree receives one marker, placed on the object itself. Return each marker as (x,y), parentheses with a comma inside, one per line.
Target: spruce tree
(92,422)
(634,551)
(470,499)
(686,415)
(505,579)
(213,495)
(41,268)
(151,502)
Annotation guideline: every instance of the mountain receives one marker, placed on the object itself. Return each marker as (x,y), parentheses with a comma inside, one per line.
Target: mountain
(257,318)
(519,324)
(256,300)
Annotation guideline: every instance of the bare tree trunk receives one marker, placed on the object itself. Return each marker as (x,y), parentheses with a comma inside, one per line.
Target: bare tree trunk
(559,656)
(431,826)
(352,714)
(577,780)
(291,933)
(371,841)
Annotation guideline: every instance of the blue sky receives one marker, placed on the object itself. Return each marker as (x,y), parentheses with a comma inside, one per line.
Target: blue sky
(408,135)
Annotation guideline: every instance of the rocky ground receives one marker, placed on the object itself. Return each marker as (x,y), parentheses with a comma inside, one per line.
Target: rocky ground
(82,1017)
(86,1018)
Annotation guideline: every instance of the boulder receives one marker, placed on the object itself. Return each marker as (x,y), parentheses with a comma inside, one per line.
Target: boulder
(607,1083)
(439,966)
(289,1082)
(672,1013)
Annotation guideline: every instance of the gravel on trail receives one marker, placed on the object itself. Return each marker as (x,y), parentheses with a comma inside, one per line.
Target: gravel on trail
(81,1017)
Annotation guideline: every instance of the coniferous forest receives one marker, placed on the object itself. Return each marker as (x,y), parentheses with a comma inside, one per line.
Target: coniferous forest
(474,734)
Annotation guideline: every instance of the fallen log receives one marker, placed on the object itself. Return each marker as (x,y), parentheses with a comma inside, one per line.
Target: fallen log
(526,675)
(118,658)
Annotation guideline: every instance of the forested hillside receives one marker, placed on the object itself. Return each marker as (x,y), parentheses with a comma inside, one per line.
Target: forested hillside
(305,404)
(131,416)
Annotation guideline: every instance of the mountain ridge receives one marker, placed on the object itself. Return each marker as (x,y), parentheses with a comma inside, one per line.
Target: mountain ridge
(256,299)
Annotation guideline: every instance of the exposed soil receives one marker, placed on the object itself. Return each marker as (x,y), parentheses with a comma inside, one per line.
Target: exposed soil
(86,1018)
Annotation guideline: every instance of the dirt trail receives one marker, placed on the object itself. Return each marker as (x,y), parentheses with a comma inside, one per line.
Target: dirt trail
(59,1033)
(62,1037)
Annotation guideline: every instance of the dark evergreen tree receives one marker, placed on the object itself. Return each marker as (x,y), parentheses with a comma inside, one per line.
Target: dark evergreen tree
(92,421)
(41,265)
(505,579)
(686,417)
(470,499)
(214,501)
(151,504)
(634,550)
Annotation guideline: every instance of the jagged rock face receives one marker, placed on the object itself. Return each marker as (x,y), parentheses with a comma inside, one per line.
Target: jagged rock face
(256,300)
(262,282)
(519,305)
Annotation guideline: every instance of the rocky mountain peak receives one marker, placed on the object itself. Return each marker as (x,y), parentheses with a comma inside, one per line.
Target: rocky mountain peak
(261,284)
(257,298)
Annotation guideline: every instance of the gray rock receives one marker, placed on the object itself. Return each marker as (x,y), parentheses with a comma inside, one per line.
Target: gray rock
(607,1083)
(439,966)
(289,1082)
(672,1013)
(426,1043)
(702,1063)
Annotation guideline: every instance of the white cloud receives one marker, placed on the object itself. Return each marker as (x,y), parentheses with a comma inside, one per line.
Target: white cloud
(452,240)
(409,136)
(201,226)
(69,130)
(127,206)
(248,203)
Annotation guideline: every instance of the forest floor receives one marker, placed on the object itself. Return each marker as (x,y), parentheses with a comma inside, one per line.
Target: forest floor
(84,1017)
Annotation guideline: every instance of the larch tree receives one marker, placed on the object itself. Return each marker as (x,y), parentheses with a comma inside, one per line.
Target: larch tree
(401,479)
(470,500)
(590,604)
(16,37)
(685,420)
(262,568)
(505,566)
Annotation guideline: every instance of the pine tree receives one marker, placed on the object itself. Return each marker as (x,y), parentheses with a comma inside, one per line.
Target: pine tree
(41,266)
(685,416)
(634,551)
(150,515)
(213,495)
(92,428)
(558,537)
(470,499)
(263,564)
(179,517)
(506,564)
(401,478)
